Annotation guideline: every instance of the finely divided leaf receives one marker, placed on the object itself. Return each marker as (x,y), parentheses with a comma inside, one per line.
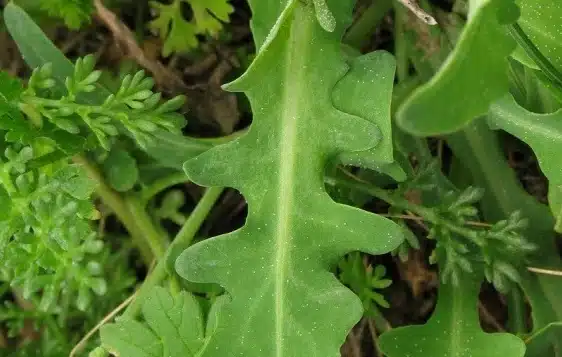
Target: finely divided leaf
(283,299)
(474,75)
(180,34)
(10,91)
(75,13)
(452,331)
(37,50)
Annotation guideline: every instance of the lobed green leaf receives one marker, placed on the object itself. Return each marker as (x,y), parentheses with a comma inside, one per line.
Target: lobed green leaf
(543,132)
(282,298)
(452,331)
(474,75)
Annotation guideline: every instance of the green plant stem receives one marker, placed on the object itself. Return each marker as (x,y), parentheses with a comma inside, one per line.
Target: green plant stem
(428,214)
(190,228)
(162,184)
(516,307)
(183,238)
(359,33)
(156,240)
(116,203)
(532,51)
(380,322)
(109,111)
(222,139)
(400,43)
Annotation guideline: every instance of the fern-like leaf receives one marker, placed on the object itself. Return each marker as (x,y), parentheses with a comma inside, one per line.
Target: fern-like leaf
(74,13)
(180,34)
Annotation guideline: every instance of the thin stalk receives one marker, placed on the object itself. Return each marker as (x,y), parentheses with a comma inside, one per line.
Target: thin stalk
(536,55)
(116,203)
(429,214)
(162,184)
(359,33)
(516,308)
(154,238)
(183,238)
(190,228)
(400,44)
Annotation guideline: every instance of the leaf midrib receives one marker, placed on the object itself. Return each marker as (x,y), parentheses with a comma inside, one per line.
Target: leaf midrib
(294,103)
(456,324)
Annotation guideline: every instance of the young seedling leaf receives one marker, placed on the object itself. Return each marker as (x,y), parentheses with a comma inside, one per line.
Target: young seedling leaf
(452,331)
(171,149)
(543,132)
(474,75)
(121,170)
(283,299)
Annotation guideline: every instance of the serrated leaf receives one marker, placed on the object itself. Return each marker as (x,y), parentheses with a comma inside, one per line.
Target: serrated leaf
(474,75)
(452,331)
(6,204)
(131,338)
(10,91)
(180,34)
(208,15)
(75,13)
(276,269)
(75,182)
(175,328)
(540,19)
(121,170)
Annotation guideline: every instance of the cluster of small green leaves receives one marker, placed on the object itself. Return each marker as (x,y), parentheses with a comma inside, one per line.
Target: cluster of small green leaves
(463,247)
(49,249)
(497,47)
(180,34)
(364,281)
(134,110)
(56,331)
(463,244)
(47,243)
(74,13)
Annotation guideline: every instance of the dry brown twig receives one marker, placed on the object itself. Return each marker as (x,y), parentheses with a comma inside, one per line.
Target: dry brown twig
(545,271)
(420,13)
(124,36)
(489,318)
(80,345)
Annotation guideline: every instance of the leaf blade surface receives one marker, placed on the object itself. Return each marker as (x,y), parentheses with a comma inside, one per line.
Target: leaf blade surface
(283,299)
